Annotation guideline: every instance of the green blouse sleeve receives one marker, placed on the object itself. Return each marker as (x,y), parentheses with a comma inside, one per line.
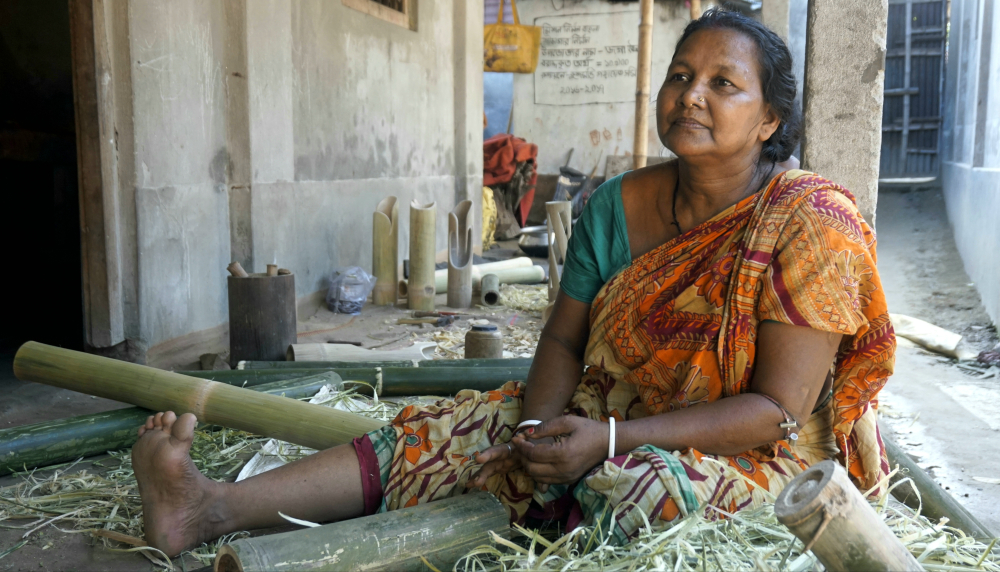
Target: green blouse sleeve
(598,248)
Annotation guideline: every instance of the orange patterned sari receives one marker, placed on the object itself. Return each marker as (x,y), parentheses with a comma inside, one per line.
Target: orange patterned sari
(676,329)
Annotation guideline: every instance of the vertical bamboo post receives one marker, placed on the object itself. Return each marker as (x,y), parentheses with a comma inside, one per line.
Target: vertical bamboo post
(695,9)
(460,255)
(385,251)
(560,227)
(644,69)
(826,511)
(421,290)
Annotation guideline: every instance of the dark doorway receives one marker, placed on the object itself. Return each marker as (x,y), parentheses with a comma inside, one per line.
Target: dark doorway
(40,221)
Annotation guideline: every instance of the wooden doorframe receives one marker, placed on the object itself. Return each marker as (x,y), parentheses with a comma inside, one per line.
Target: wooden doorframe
(97,160)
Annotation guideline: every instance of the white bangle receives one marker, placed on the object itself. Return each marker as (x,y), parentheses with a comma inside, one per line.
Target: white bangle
(528,423)
(611,437)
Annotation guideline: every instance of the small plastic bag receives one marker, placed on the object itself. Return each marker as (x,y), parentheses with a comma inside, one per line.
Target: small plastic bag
(349,288)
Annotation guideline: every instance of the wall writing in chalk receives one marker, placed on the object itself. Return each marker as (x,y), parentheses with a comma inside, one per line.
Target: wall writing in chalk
(587,58)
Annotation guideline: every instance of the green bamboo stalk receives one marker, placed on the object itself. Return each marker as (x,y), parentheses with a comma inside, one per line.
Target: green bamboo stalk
(441,532)
(251,378)
(62,440)
(504,363)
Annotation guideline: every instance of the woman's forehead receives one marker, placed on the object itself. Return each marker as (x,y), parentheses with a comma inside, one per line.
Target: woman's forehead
(719,50)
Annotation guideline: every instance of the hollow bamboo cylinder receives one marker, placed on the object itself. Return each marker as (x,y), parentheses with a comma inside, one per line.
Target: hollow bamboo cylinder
(326,365)
(490,290)
(289,420)
(262,320)
(385,251)
(347,352)
(824,509)
(643,71)
(559,222)
(63,440)
(478,271)
(460,256)
(421,291)
(440,532)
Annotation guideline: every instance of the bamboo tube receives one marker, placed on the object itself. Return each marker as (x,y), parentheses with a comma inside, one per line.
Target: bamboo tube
(347,352)
(478,270)
(212,402)
(695,9)
(63,440)
(460,256)
(236,269)
(826,511)
(440,532)
(272,269)
(644,70)
(253,378)
(528,275)
(422,237)
(385,251)
(933,501)
(560,227)
(467,363)
(489,289)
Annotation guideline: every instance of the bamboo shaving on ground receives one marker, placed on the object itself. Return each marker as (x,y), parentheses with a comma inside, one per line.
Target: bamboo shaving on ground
(520,338)
(753,539)
(531,299)
(105,503)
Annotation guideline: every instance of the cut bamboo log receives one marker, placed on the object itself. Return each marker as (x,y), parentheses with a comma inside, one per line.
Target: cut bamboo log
(236,269)
(478,270)
(440,532)
(422,238)
(560,227)
(272,270)
(824,509)
(347,353)
(489,289)
(460,256)
(262,319)
(466,363)
(289,420)
(63,440)
(385,251)
(643,72)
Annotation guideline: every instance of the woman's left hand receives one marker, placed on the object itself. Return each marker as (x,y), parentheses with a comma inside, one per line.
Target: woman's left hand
(579,444)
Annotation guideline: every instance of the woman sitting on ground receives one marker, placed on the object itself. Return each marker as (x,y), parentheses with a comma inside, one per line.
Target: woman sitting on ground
(726,313)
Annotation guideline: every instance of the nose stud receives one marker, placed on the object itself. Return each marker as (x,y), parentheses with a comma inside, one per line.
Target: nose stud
(701,99)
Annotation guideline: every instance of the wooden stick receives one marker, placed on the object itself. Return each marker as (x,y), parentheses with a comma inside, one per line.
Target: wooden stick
(440,532)
(212,402)
(236,269)
(51,442)
(460,255)
(560,227)
(695,9)
(644,70)
(826,511)
(385,251)
(420,295)
(272,269)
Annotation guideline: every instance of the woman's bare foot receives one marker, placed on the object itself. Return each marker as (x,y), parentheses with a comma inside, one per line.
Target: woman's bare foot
(179,504)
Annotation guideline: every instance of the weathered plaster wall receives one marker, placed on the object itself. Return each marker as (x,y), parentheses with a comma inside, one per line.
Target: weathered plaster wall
(268,130)
(558,128)
(971,140)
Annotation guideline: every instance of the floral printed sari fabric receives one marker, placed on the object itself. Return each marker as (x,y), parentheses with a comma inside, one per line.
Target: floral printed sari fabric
(676,329)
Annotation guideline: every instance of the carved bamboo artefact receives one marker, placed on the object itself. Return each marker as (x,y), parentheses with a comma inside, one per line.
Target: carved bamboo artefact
(460,255)
(385,251)
(826,511)
(421,291)
(560,226)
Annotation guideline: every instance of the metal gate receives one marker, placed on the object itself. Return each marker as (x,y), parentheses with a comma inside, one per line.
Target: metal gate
(914,79)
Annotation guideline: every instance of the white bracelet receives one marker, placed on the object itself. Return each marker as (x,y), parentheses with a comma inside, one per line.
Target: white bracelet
(528,423)
(611,437)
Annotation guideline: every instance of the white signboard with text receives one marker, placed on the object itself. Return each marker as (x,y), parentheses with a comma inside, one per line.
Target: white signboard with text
(587,58)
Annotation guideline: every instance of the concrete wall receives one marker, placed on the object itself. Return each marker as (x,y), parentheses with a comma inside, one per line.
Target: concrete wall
(268,130)
(594,130)
(971,143)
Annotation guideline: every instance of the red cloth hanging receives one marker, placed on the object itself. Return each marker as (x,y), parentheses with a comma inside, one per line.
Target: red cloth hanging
(501,154)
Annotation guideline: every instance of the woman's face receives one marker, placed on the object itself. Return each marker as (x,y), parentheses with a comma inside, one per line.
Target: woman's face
(712,103)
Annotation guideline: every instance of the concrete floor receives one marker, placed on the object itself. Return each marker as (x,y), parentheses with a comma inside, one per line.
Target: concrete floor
(948,420)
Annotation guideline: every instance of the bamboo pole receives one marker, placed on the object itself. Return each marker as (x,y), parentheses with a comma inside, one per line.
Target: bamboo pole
(478,271)
(489,288)
(62,440)
(826,511)
(347,352)
(440,532)
(466,363)
(385,251)
(422,237)
(695,9)
(644,70)
(254,377)
(460,256)
(560,227)
(212,402)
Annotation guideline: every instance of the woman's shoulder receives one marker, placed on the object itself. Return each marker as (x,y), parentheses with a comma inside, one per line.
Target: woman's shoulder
(820,205)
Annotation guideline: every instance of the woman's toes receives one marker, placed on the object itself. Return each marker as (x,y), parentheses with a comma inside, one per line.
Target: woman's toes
(158,420)
(183,427)
(168,420)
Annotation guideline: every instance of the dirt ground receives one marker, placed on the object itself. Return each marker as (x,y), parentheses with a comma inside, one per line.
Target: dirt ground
(945,417)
